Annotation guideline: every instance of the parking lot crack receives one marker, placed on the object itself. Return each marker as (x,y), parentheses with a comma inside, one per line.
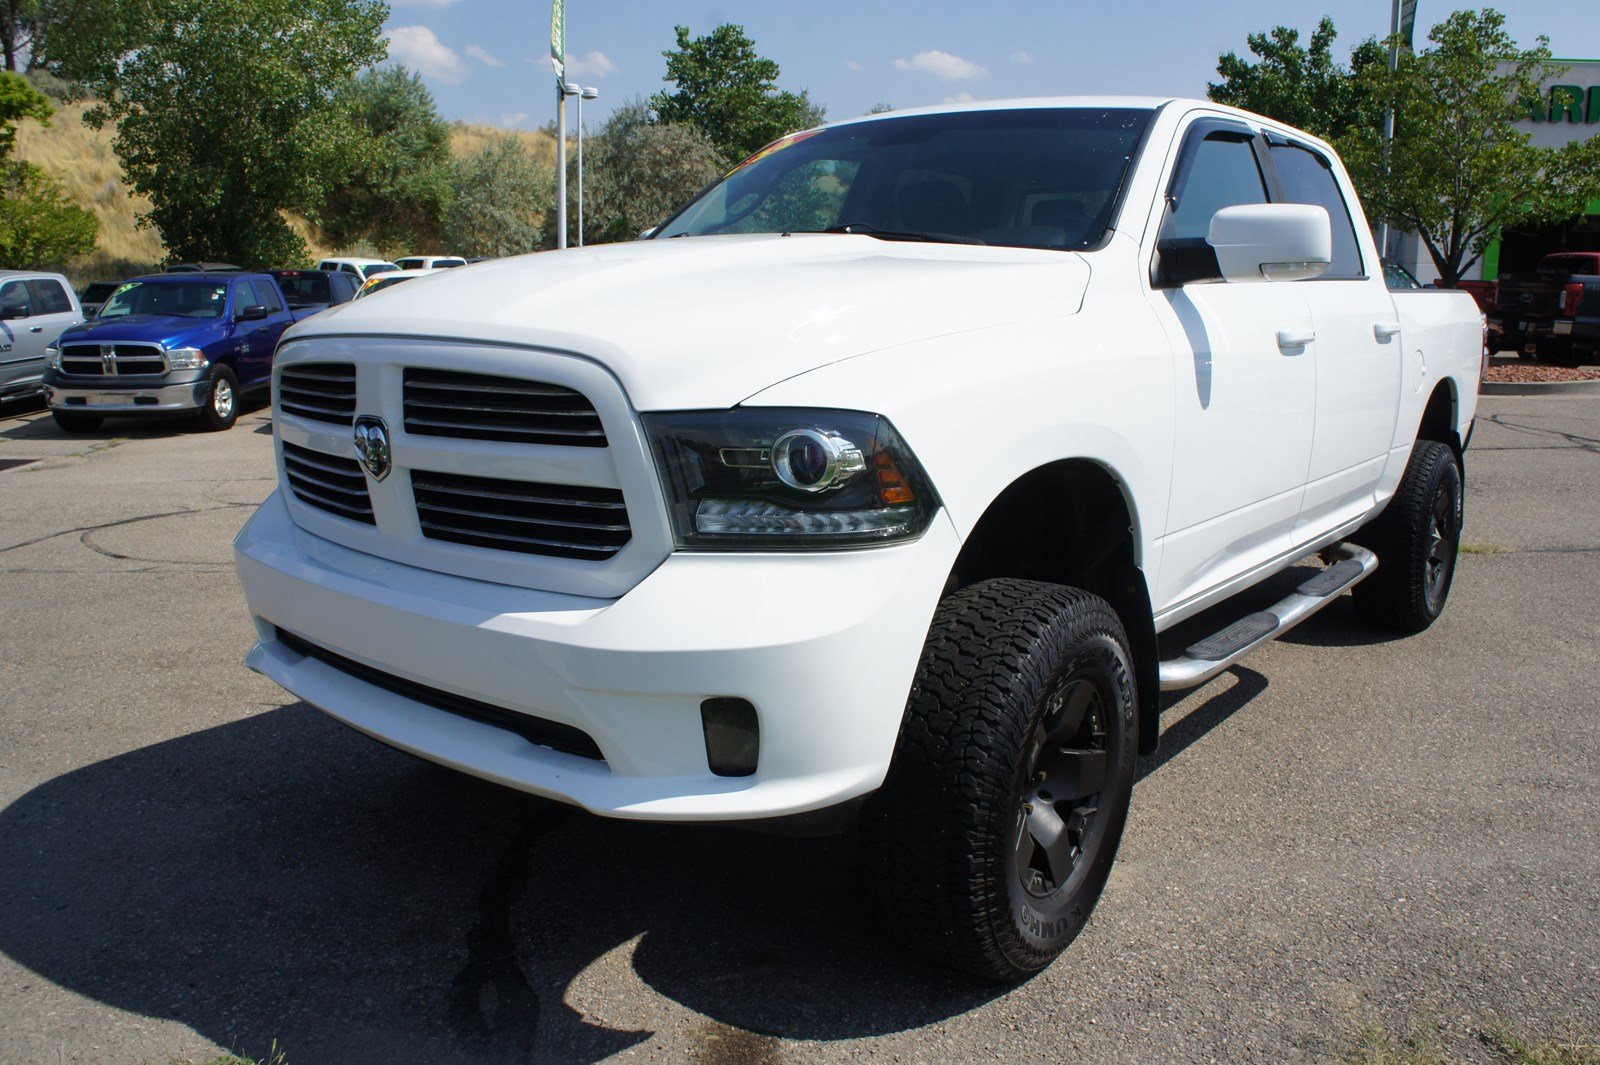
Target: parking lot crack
(82,529)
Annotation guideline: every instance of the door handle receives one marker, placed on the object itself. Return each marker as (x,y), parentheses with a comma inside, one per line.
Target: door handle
(36,329)
(1295,339)
(1385,330)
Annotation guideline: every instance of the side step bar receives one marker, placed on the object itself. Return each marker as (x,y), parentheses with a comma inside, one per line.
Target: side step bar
(1348,566)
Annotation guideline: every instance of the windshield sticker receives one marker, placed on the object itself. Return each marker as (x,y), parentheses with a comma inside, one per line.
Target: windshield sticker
(772,149)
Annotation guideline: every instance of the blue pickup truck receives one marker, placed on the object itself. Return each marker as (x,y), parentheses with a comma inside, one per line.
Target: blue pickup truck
(169,343)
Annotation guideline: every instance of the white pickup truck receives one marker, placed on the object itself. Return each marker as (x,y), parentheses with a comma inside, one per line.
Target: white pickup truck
(873,483)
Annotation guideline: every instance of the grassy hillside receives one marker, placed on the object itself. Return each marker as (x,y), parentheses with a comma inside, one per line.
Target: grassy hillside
(82,160)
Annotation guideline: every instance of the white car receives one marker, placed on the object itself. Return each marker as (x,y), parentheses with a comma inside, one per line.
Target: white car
(873,485)
(35,308)
(430,262)
(379,282)
(365,269)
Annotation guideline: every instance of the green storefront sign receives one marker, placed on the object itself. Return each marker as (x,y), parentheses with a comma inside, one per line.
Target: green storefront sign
(1566,103)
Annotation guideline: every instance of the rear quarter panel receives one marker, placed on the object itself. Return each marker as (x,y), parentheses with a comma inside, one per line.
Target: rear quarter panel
(1442,331)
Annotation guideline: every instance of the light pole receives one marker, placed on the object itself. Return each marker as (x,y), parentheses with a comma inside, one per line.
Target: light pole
(564,89)
(587,93)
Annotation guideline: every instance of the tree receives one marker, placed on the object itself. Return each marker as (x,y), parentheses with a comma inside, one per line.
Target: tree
(39,224)
(395,191)
(19,24)
(639,172)
(224,109)
(498,199)
(1458,172)
(1303,86)
(727,91)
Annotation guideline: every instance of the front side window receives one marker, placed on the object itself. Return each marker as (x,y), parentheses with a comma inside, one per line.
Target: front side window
(1307,178)
(179,299)
(1025,177)
(244,295)
(268,296)
(1222,173)
(14,300)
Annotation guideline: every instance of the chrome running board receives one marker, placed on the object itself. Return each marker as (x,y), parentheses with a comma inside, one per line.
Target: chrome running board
(1348,565)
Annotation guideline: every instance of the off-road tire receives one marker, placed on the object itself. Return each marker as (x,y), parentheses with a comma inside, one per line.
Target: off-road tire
(70,421)
(1417,539)
(214,416)
(941,841)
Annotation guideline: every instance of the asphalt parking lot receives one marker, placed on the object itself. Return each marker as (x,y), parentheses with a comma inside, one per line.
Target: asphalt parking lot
(191,861)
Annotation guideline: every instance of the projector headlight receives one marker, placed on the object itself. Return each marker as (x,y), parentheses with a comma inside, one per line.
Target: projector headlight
(186,359)
(771,479)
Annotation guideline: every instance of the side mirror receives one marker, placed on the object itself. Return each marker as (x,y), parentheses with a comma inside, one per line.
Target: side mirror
(647,234)
(1272,241)
(252,313)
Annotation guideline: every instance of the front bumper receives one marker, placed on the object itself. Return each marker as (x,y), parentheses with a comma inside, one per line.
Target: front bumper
(181,390)
(824,645)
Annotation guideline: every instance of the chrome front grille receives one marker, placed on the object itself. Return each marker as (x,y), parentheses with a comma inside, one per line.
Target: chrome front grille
(321,391)
(564,521)
(328,482)
(112,360)
(481,407)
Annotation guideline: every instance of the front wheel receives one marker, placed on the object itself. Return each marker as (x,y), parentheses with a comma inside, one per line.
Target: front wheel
(1416,539)
(993,834)
(221,408)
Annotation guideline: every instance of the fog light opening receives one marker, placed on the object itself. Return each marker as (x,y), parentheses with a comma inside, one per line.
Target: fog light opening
(733,736)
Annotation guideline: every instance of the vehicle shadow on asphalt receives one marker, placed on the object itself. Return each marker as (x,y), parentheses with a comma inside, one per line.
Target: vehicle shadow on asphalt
(283,878)
(143,427)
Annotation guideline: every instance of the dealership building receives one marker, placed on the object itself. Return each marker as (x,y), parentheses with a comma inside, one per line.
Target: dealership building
(1569,110)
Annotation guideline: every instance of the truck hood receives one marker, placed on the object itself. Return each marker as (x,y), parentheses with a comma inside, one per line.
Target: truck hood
(148,329)
(709,321)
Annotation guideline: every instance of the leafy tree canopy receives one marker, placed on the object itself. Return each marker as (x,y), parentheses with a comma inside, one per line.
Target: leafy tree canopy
(224,109)
(1458,171)
(730,93)
(498,200)
(639,172)
(39,224)
(395,189)
(19,24)
(1302,85)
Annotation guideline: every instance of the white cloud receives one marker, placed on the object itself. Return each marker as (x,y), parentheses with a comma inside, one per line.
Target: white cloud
(422,3)
(960,98)
(1022,57)
(944,66)
(483,56)
(419,49)
(594,65)
(513,118)
(852,64)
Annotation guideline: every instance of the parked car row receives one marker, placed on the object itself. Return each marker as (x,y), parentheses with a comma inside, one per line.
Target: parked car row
(192,338)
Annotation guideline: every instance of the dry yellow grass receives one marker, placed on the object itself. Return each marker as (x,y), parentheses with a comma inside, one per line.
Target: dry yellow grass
(469,139)
(82,160)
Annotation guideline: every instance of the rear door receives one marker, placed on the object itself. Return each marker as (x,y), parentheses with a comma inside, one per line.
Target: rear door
(1359,351)
(1245,370)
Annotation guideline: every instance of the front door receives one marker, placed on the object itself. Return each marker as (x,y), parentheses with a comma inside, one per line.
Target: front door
(1246,380)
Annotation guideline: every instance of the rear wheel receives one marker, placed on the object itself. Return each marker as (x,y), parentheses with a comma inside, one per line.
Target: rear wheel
(1417,539)
(70,421)
(993,835)
(221,408)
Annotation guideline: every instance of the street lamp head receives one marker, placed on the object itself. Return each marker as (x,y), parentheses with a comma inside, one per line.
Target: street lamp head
(569,89)
(590,93)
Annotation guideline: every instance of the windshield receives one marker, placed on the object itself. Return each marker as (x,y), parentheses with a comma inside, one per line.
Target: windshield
(173,299)
(1032,178)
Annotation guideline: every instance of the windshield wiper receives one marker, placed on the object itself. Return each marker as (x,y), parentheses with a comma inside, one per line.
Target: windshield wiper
(865,230)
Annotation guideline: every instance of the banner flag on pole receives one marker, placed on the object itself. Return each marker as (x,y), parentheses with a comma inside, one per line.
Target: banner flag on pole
(558,38)
(1408,21)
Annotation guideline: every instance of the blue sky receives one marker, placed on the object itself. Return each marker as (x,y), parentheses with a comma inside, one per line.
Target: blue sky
(487,60)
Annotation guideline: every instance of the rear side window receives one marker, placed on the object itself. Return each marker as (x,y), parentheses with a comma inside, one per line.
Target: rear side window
(1307,178)
(49,297)
(1223,173)
(14,301)
(410,264)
